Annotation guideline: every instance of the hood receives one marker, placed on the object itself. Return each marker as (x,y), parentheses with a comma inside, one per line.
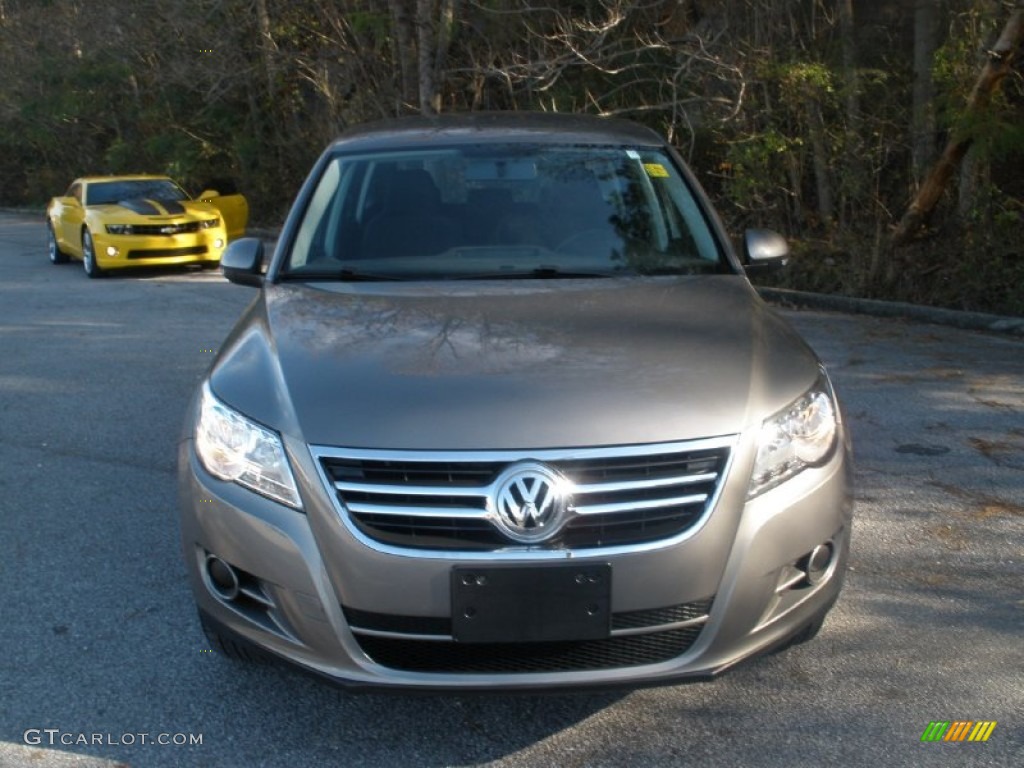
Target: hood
(144,208)
(512,364)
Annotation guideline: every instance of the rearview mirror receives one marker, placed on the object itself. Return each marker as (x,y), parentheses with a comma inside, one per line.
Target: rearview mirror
(242,261)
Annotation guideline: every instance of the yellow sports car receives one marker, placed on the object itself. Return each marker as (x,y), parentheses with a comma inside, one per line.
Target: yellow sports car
(109,222)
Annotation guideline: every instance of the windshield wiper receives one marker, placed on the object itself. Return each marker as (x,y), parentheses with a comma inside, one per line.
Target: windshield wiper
(342,275)
(538,273)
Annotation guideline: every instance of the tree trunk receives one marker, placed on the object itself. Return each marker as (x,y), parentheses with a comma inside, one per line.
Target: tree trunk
(854,177)
(973,171)
(267,46)
(922,129)
(445,30)
(851,80)
(404,49)
(426,41)
(999,65)
(819,149)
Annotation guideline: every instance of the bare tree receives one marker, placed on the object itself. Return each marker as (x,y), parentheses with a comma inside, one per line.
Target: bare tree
(923,129)
(426,42)
(1000,61)
(404,49)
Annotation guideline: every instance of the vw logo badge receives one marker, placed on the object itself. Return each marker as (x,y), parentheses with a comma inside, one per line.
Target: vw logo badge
(529,502)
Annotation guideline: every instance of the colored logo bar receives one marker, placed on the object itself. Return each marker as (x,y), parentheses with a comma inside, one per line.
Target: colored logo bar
(958,730)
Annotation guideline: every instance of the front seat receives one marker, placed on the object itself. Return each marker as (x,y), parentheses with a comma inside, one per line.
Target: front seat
(411,222)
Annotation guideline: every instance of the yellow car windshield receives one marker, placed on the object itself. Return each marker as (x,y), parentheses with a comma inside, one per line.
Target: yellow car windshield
(105,192)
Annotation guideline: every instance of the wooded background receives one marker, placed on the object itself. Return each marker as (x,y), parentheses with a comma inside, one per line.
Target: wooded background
(818,118)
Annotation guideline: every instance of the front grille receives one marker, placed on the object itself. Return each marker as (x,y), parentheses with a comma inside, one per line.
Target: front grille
(156,253)
(441,626)
(172,229)
(631,647)
(511,658)
(440,501)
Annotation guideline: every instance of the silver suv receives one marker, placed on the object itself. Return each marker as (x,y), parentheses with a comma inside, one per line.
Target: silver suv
(507,413)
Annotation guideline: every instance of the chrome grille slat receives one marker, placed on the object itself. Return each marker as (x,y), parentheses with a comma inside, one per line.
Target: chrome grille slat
(499,457)
(621,496)
(388,509)
(663,482)
(697,622)
(412,490)
(625,506)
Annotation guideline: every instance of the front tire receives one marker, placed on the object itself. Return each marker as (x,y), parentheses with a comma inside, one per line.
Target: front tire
(807,633)
(227,646)
(57,256)
(92,268)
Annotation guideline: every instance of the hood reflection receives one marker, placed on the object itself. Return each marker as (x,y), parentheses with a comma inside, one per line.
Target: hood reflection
(502,365)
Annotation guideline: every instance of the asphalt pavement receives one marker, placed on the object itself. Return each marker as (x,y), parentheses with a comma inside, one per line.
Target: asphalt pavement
(102,661)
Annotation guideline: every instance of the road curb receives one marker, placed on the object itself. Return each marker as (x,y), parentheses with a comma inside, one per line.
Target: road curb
(973,321)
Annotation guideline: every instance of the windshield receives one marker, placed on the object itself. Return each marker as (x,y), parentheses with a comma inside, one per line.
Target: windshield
(492,211)
(104,192)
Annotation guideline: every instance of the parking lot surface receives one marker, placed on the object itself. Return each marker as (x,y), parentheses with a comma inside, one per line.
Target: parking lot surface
(102,661)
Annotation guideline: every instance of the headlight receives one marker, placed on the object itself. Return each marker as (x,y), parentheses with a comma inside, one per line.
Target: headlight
(119,229)
(209,223)
(799,436)
(236,449)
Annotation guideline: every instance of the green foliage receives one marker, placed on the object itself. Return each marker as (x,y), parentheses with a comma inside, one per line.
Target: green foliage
(373,24)
(801,78)
(754,170)
(1000,130)
(120,157)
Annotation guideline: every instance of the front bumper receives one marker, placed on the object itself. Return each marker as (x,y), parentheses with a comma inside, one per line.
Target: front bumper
(313,595)
(126,251)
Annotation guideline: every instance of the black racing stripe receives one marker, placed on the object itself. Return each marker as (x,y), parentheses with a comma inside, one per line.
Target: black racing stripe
(173,207)
(141,207)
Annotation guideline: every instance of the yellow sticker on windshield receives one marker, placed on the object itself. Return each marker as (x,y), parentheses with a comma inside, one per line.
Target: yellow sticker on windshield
(656,170)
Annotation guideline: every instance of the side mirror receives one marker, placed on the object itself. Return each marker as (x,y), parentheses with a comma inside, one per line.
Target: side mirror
(242,261)
(763,248)
(71,201)
(207,194)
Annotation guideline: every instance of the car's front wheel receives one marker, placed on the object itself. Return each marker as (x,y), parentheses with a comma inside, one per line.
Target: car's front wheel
(92,269)
(57,256)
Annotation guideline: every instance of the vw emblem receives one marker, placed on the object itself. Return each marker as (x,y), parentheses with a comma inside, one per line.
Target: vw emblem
(529,501)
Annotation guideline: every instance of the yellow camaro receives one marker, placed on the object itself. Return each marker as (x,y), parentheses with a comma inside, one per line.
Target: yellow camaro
(111,222)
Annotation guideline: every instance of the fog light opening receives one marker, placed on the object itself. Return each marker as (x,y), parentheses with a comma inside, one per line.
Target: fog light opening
(817,563)
(218,243)
(112,251)
(223,577)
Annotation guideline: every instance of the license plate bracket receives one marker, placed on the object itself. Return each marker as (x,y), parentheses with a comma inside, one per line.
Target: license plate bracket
(520,604)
